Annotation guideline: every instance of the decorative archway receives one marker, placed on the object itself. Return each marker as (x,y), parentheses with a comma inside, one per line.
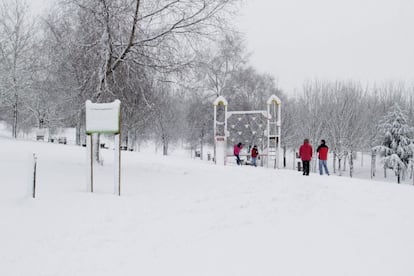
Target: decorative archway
(261,127)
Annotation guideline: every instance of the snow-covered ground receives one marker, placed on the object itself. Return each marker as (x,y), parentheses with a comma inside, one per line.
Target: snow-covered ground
(180,216)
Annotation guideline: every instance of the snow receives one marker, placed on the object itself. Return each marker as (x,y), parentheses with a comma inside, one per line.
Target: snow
(179,216)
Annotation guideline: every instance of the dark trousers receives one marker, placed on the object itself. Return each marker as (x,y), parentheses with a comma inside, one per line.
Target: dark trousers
(238,160)
(305,167)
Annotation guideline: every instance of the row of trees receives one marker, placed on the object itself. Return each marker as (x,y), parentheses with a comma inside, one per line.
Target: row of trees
(353,118)
(145,53)
(167,61)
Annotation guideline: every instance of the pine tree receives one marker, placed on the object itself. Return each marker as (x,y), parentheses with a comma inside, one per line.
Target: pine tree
(397,146)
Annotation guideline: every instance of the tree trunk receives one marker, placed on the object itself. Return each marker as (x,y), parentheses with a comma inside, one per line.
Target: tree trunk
(164,146)
(15,114)
(334,162)
(127,140)
(398,174)
(345,157)
(284,156)
(314,162)
(78,135)
(411,170)
(134,140)
(373,159)
(202,143)
(137,141)
(351,164)
(294,159)
(201,148)
(362,159)
(79,127)
(339,167)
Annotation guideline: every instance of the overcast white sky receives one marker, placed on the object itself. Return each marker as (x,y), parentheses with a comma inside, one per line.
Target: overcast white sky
(299,40)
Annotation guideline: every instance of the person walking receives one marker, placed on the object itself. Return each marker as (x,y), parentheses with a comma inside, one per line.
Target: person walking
(236,151)
(323,157)
(305,154)
(254,155)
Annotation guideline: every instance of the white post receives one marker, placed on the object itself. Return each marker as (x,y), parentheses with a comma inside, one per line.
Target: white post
(276,132)
(34,176)
(220,141)
(225,134)
(268,134)
(279,132)
(221,151)
(275,122)
(89,165)
(362,159)
(215,133)
(117,165)
(215,120)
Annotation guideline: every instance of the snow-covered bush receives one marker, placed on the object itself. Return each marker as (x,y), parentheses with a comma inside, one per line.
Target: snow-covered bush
(395,137)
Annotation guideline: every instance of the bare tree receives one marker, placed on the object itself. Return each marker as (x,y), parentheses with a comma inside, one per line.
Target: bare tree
(220,64)
(16,56)
(345,104)
(108,42)
(136,31)
(167,117)
(311,116)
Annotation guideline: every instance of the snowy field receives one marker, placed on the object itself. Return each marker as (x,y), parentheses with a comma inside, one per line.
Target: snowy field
(180,216)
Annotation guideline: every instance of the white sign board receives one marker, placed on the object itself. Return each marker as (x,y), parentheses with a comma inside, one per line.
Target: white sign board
(102,117)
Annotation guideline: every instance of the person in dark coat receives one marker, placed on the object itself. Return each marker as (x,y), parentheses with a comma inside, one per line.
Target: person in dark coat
(254,155)
(305,154)
(236,150)
(323,157)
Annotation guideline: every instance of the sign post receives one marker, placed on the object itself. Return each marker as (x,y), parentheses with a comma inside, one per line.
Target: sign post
(103,118)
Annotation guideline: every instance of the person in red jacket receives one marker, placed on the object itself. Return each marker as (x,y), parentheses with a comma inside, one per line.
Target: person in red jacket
(254,155)
(236,151)
(323,157)
(305,153)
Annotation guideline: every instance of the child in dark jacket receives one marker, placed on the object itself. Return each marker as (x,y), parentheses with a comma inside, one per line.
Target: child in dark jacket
(254,155)
(323,157)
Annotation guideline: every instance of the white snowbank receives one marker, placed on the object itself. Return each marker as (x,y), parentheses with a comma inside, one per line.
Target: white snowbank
(185,217)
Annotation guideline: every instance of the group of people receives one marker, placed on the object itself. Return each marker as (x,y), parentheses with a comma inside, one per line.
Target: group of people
(306,152)
(254,154)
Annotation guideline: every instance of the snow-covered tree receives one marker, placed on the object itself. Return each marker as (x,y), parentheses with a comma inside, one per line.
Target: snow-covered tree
(199,121)
(396,138)
(167,116)
(17,59)
(345,105)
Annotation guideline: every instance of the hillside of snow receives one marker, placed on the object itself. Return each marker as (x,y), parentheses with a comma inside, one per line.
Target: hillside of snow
(179,216)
